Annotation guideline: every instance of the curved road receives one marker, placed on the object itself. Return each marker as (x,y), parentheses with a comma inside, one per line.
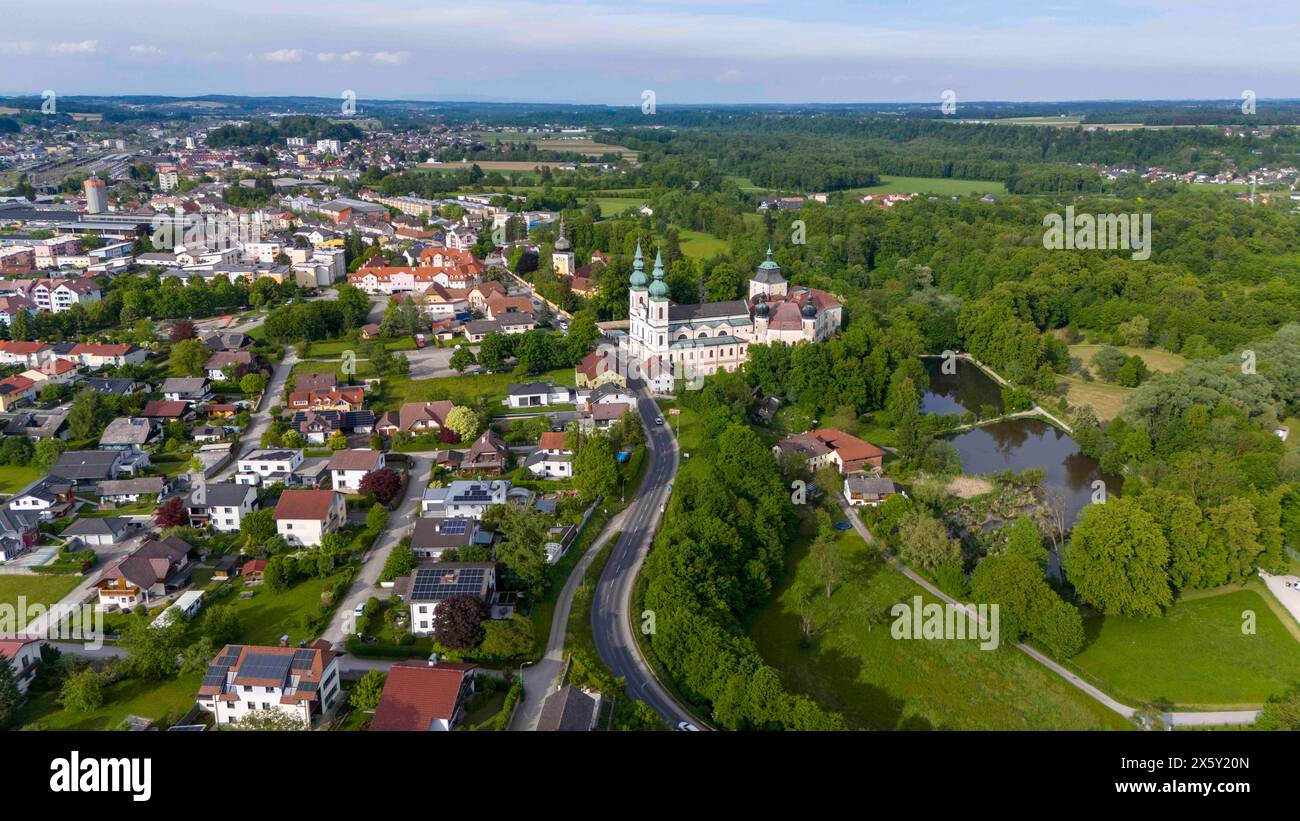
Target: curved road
(609,613)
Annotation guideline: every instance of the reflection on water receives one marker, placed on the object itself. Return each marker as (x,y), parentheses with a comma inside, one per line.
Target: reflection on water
(1020,444)
(969,389)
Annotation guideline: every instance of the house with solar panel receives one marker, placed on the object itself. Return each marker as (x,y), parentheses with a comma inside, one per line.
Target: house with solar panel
(242,680)
(432,537)
(464,498)
(429,585)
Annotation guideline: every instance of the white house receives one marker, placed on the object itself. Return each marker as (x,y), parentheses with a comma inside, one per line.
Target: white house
(464,498)
(241,680)
(303,517)
(432,584)
(221,505)
(348,467)
(538,394)
(23,655)
(268,466)
(551,460)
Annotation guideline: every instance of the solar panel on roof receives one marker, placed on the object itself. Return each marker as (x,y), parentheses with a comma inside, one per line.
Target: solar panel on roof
(453,527)
(433,583)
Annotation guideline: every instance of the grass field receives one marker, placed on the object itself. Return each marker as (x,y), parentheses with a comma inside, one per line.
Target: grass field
(14,478)
(941,186)
(701,245)
(878,682)
(153,700)
(1156,358)
(613,206)
(1196,655)
(268,615)
(1106,400)
(42,589)
(490,387)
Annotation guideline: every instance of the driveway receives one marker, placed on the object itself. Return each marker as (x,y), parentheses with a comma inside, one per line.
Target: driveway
(1283,587)
(400,522)
(251,437)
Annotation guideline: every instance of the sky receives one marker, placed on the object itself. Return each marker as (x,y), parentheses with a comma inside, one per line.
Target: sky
(685,51)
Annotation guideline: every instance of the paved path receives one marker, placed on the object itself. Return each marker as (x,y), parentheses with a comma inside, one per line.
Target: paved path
(250,438)
(539,679)
(400,522)
(1181,719)
(1283,588)
(610,619)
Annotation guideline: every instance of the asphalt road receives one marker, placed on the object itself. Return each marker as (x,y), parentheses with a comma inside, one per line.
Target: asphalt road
(609,614)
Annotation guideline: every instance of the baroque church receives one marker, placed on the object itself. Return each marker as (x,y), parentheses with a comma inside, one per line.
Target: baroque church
(671,342)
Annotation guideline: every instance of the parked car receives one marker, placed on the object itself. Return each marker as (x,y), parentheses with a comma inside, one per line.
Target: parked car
(687,727)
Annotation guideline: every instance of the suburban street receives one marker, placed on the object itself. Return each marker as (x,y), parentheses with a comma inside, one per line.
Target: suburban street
(251,437)
(539,679)
(610,618)
(399,522)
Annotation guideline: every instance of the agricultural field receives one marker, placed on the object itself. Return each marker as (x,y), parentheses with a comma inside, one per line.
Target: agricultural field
(614,206)
(38,589)
(1157,359)
(940,186)
(701,245)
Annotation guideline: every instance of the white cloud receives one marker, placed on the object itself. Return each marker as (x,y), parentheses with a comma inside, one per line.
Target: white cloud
(391,57)
(326,56)
(352,55)
(147,51)
(83,47)
(284,55)
(17,47)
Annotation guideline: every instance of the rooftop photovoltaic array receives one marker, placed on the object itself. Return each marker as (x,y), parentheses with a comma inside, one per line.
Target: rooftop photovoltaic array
(432,583)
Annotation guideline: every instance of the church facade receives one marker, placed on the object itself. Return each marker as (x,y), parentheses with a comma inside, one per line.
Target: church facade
(668,342)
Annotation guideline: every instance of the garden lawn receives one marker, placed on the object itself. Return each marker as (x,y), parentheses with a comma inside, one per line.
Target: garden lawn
(170,698)
(14,478)
(613,206)
(467,389)
(1196,655)
(268,615)
(877,682)
(39,589)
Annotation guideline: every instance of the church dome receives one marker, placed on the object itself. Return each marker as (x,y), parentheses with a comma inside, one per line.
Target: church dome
(809,309)
(761,309)
(658,288)
(768,272)
(638,269)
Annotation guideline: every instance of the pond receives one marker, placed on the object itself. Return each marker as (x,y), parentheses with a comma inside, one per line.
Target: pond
(968,389)
(1015,444)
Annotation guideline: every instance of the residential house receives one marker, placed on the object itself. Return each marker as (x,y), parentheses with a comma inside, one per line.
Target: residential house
(237,363)
(129,433)
(594,370)
(303,517)
(431,584)
(423,697)
(268,466)
(538,394)
(415,417)
(335,399)
(15,391)
(569,709)
(610,393)
(869,491)
(163,410)
(433,536)
(37,425)
(24,657)
(227,340)
(115,386)
(153,570)
(50,498)
(243,679)
(147,488)
(100,531)
(318,426)
(828,446)
(488,455)
(86,468)
(551,460)
(95,355)
(469,499)
(348,467)
(186,389)
(308,382)
(18,532)
(221,505)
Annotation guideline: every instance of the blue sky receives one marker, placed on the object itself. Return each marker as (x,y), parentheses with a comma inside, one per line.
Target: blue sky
(687,51)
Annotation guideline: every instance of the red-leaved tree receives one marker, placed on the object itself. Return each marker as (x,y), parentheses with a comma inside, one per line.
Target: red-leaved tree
(172,513)
(381,485)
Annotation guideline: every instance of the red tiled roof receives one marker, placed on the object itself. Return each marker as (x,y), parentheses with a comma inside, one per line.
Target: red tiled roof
(313,505)
(415,696)
(163,408)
